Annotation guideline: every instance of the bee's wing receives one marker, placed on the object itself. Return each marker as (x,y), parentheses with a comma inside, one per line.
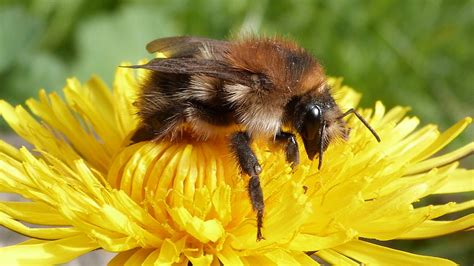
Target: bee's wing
(195,66)
(185,46)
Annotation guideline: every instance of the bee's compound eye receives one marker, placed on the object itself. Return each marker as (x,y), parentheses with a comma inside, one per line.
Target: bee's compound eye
(311,129)
(312,122)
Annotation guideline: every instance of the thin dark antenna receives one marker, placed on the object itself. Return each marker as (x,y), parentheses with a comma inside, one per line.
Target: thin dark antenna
(353,111)
(134,66)
(321,145)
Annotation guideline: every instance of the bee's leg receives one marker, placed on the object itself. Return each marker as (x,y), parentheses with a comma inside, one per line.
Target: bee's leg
(240,145)
(291,147)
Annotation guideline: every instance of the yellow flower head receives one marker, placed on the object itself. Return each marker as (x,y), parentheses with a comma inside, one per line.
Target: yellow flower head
(165,203)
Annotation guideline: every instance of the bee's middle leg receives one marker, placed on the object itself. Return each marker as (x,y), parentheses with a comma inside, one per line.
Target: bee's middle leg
(291,147)
(240,144)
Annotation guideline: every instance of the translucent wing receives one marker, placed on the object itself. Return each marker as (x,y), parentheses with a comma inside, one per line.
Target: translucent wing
(186,46)
(192,66)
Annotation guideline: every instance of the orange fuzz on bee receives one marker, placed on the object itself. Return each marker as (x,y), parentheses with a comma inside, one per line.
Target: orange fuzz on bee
(240,89)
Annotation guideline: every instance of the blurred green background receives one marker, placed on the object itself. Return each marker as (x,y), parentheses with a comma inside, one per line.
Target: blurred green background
(410,53)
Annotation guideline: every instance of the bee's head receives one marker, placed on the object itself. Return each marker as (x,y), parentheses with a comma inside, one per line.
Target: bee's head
(318,120)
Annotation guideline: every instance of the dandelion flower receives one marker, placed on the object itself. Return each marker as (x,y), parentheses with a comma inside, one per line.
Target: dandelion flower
(166,203)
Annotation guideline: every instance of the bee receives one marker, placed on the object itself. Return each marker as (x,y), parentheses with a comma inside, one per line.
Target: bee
(242,89)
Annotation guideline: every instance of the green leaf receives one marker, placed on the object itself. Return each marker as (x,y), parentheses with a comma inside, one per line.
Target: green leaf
(103,42)
(19,32)
(31,73)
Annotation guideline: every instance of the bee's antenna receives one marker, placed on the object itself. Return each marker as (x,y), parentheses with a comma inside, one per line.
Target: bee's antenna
(133,66)
(321,144)
(353,111)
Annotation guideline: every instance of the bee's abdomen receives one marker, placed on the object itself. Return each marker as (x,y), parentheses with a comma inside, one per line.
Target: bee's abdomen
(172,103)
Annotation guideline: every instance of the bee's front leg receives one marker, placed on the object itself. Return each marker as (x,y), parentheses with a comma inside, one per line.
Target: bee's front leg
(291,147)
(240,145)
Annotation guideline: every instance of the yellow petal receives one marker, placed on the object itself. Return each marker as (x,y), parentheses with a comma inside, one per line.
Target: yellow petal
(153,259)
(221,200)
(116,171)
(35,133)
(283,217)
(460,180)
(119,222)
(309,242)
(388,216)
(42,233)
(202,260)
(434,179)
(395,114)
(85,99)
(283,257)
(33,212)
(205,231)
(121,258)
(9,150)
(444,139)
(435,211)
(138,257)
(335,258)
(169,252)
(229,257)
(258,259)
(368,253)
(47,252)
(441,160)
(12,176)
(303,258)
(124,89)
(437,228)
(58,115)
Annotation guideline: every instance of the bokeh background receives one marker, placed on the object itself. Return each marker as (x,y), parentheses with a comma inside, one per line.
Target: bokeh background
(410,53)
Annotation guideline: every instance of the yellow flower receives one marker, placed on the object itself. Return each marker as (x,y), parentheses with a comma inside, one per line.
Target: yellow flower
(177,202)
